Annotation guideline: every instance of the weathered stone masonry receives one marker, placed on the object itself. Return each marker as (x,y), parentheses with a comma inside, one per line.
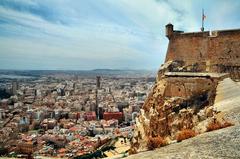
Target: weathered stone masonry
(216,51)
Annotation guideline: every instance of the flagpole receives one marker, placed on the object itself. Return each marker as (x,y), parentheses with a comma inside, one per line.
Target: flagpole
(202,29)
(203,19)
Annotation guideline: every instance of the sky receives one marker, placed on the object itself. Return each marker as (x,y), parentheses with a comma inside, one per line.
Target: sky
(100,34)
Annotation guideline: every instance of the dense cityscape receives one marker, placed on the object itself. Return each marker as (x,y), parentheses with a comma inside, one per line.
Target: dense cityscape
(65,115)
(132,79)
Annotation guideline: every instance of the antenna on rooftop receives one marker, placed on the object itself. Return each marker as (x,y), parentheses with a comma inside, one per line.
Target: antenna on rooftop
(203,18)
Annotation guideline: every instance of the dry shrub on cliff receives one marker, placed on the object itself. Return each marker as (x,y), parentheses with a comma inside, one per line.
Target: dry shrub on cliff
(215,125)
(227,124)
(132,151)
(155,142)
(185,134)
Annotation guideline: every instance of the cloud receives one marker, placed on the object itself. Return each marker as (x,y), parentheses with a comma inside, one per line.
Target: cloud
(68,34)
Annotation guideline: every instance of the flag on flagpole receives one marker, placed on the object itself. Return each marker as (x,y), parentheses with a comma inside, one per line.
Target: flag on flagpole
(203,16)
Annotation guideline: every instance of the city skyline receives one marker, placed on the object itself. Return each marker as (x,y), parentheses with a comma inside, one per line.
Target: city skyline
(84,35)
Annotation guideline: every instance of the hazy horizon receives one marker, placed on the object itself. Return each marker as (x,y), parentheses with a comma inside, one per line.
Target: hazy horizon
(105,34)
(96,69)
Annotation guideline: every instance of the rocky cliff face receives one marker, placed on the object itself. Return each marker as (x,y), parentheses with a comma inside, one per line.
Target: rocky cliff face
(184,93)
(176,102)
(222,143)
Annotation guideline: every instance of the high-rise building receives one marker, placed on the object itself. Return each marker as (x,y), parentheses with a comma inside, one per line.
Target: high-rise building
(98,83)
(14,87)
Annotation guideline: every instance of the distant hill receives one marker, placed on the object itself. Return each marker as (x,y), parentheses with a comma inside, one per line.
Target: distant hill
(87,73)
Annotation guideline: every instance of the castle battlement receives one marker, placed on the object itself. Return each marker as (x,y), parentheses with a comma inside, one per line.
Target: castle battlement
(209,51)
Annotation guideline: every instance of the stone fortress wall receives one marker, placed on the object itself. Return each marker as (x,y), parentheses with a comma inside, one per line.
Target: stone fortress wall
(216,51)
